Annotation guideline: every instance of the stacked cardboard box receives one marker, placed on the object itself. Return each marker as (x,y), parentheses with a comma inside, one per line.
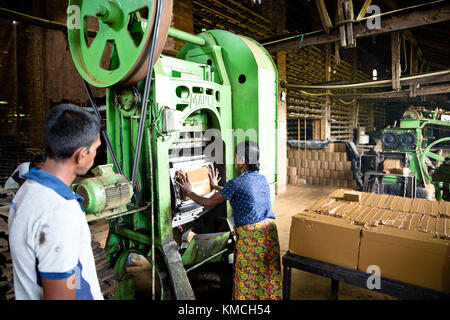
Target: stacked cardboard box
(328,167)
(409,239)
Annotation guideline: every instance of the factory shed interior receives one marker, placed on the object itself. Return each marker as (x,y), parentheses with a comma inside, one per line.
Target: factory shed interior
(348,100)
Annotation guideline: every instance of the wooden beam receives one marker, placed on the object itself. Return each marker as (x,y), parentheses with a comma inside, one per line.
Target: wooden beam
(324,17)
(389,23)
(364,9)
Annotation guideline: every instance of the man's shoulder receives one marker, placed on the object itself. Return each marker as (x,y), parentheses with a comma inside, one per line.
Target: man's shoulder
(35,195)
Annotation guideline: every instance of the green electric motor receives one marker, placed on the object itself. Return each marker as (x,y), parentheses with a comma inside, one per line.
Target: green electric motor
(107,193)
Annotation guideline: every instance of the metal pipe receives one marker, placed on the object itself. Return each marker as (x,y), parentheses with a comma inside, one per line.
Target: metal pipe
(181,35)
(364,84)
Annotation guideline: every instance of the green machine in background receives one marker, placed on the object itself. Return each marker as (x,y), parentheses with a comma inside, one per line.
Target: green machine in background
(220,89)
(415,142)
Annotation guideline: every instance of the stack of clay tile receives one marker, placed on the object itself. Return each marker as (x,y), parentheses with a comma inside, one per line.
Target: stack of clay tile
(398,212)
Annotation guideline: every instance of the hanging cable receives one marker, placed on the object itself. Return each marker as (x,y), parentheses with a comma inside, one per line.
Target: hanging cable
(148,83)
(404,53)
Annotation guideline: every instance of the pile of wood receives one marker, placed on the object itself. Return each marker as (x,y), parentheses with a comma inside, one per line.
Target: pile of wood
(14,152)
(328,167)
(6,273)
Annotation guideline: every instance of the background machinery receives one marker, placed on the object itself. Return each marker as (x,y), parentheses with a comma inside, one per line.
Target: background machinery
(420,143)
(164,115)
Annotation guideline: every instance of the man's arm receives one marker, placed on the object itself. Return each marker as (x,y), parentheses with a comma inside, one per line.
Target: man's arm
(60,289)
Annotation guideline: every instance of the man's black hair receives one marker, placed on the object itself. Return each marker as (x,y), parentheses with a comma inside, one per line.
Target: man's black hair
(68,128)
(249,150)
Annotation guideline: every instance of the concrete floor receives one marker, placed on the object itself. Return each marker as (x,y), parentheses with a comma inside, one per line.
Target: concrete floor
(304,285)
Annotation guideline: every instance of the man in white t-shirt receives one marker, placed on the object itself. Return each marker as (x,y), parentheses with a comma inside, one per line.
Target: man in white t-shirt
(16,179)
(49,237)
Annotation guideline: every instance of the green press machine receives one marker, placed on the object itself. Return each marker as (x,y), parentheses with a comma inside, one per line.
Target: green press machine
(159,119)
(415,144)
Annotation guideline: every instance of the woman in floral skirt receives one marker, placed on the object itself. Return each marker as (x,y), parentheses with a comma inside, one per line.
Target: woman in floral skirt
(257,270)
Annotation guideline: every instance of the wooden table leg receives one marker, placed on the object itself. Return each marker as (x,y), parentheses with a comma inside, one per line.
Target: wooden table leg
(334,289)
(286,282)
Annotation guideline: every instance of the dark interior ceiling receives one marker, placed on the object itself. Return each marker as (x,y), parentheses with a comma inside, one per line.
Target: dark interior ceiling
(375,52)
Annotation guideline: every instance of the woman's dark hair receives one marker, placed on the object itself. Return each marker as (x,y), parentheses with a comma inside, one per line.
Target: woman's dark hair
(38,159)
(68,128)
(249,150)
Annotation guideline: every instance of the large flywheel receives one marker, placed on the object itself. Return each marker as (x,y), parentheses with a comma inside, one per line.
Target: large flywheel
(118,52)
(427,153)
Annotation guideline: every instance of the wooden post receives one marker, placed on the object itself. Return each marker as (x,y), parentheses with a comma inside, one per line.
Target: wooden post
(349,16)
(324,17)
(299,138)
(413,68)
(327,122)
(363,11)
(396,67)
(340,15)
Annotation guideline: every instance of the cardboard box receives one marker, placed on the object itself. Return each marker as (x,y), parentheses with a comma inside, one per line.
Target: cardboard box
(325,238)
(309,180)
(305,163)
(313,172)
(292,171)
(348,166)
(336,157)
(353,196)
(328,156)
(342,175)
(320,173)
(407,256)
(339,166)
(432,207)
(290,152)
(402,170)
(199,180)
(332,166)
(390,164)
(315,155)
(318,164)
(332,147)
(316,181)
(325,165)
(343,156)
(342,147)
(302,172)
(322,156)
(292,162)
(307,154)
(326,173)
(308,172)
(292,179)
